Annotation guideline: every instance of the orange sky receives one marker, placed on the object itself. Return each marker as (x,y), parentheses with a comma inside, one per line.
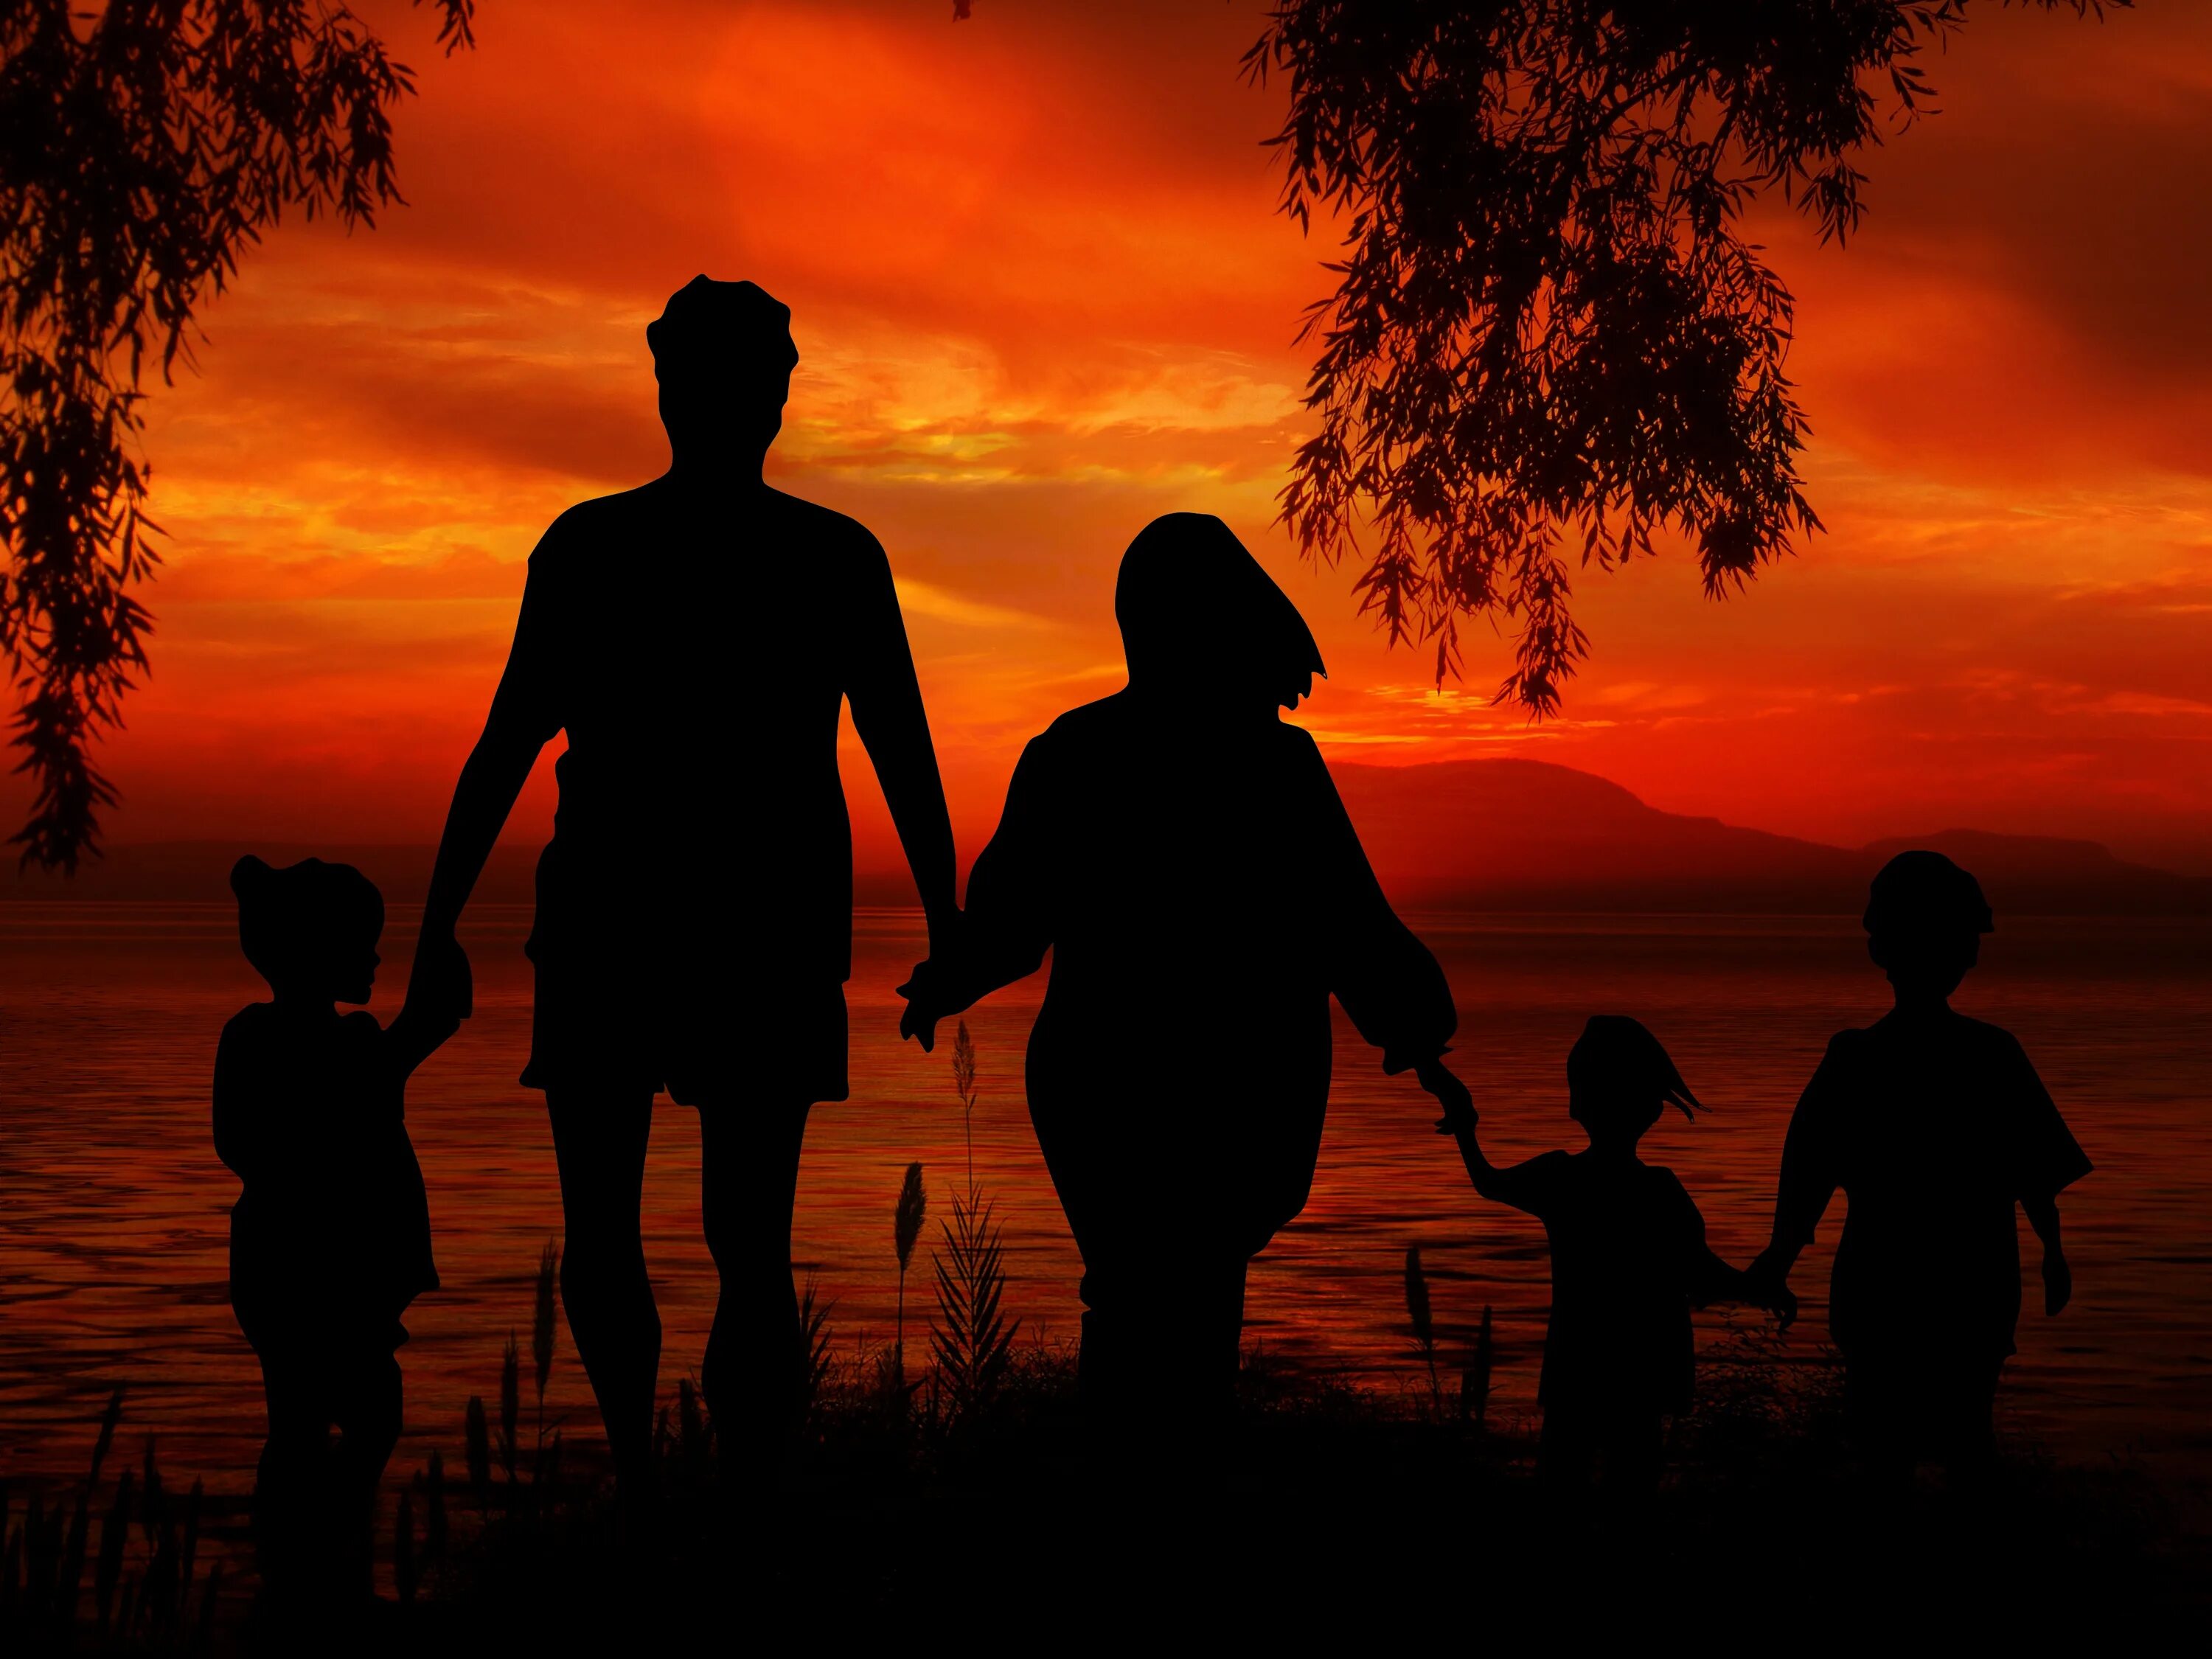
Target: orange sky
(1041,295)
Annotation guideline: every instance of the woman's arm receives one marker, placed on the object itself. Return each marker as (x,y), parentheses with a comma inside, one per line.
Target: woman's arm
(1389,983)
(1007,927)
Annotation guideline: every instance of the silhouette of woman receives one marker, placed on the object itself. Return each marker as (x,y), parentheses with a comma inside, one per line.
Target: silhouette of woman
(1184,855)
(695,638)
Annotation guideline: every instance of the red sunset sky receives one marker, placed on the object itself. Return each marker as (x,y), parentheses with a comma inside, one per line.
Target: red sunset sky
(1041,295)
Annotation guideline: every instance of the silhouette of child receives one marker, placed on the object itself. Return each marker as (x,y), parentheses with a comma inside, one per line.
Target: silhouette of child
(329,1240)
(1629,1257)
(1935,1126)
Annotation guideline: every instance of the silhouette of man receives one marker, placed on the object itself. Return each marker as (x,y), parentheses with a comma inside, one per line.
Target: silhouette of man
(694,638)
(1184,855)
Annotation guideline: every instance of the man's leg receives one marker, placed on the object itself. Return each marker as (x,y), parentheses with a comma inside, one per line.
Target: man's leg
(600,1140)
(756,1353)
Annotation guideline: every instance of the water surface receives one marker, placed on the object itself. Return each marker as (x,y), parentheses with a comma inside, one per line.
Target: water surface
(114,1209)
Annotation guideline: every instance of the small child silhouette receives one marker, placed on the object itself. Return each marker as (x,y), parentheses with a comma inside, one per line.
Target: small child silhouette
(1628,1257)
(329,1240)
(1935,1126)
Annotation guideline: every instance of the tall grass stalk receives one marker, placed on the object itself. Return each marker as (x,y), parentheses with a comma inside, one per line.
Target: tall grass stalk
(1474,1380)
(1419,1310)
(142,1590)
(972,1339)
(477,1448)
(814,1342)
(542,1327)
(907,1218)
(963,1085)
(510,1406)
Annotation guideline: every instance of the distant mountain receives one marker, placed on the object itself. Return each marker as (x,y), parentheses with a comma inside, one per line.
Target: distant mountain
(1515,835)
(1497,835)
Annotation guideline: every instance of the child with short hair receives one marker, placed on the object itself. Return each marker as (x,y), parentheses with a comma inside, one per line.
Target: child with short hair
(1629,1257)
(329,1240)
(1935,1126)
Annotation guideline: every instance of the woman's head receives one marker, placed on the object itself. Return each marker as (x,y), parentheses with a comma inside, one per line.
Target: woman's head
(1924,921)
(723,354)
(1619,1079)
(1199,615)
(310,928)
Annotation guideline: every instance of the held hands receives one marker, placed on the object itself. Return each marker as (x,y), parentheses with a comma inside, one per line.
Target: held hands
(936,990)
(1460,1116)
(2058,1281)
(1768,1288)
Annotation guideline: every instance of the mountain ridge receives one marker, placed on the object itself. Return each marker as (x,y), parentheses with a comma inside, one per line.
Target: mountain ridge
(1474,834)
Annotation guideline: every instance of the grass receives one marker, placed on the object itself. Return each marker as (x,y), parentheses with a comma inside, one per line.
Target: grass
(1330,1509)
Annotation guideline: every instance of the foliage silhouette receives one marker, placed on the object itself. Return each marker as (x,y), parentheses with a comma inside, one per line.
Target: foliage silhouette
(972,1339)
(1549,335)
(146,146)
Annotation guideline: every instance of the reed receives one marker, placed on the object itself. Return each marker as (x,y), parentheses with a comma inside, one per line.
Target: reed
(542,1327)
(510,1406)
(907,1217)
(404,1579)
(814,1343)
(476,1450)
(143,1589)
(1474,1380)
(972,1339)
(1417,1309)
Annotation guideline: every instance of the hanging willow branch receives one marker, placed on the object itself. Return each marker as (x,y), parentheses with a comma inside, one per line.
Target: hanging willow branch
(143,145)
(1549,339)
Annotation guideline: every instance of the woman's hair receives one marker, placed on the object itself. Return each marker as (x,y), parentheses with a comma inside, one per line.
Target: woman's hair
(1617,1066)
(1196,609)
(290,921)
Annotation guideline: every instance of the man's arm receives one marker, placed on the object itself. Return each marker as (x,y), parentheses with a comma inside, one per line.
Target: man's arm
(518,726)
(888,714)
(2058,1274)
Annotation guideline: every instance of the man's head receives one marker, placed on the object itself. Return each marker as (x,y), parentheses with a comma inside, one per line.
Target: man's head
(1924,921)
(1619,1079)
(723,354)
(310,928)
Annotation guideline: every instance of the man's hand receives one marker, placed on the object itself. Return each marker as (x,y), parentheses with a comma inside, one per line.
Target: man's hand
(2057,1282)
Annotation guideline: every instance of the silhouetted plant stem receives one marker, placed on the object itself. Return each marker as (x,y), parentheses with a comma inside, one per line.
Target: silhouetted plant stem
(542,1328)
(1475,1381)
(510,1406)
(906,1227)
(1417,1309)
(972,1339)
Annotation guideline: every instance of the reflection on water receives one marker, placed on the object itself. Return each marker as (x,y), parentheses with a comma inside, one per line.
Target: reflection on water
(113,1233)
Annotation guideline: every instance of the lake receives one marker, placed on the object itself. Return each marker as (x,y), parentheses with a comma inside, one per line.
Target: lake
(114,1209)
